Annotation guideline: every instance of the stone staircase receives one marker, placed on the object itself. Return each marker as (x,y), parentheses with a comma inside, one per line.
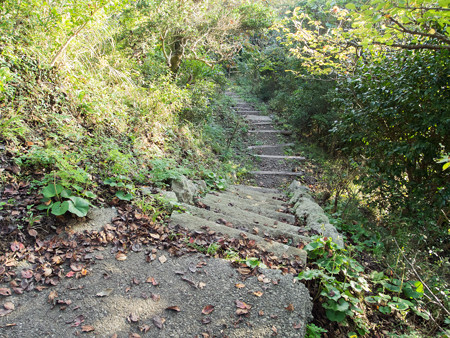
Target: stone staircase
(259,213)
(247,212)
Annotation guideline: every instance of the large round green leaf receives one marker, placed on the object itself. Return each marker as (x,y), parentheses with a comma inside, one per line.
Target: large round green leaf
(52,190)
(59,208)
(78,206)
(335,316)
(122,195)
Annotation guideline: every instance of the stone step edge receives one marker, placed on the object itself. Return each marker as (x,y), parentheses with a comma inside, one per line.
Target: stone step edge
(271,146)
(271,131)
(258,117)
(260,208)
(281,157)
(281,173)
(198,224)
(243,188)
(268,123)
(247,197)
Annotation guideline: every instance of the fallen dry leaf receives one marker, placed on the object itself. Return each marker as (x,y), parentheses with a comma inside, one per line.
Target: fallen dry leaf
(120,256)
(206,320)
(239,285)
(52,296)
(77,321)
(290,307)
(134,335)
(5,291)
(9,306)
(189,281)
(155,236)
(144,328)
(274,329)
(17,246)
(162,259)
(105,293)
(47,271)
(298,325)
(208,309)
(261,313)
(258,293)
(201,285)
(173,308)
(4,312)
(263,279)
(76,267)
(155,298)
(57,260)
(240,312)
(242,305)
(32,233)
(133,318)
(87,328)
(158,322)
(152,280)
(27,274)
(244,270)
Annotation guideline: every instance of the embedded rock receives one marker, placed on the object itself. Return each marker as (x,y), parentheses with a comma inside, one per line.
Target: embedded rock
(184,189)
(311,213)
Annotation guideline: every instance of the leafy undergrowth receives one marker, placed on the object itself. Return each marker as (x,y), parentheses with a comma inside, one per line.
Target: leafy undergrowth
(65,151)
(356,300)
(375,286)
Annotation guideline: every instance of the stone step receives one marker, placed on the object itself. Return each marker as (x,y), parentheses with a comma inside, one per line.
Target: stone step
(271,131)
(271,199)
(258,118)
(257,207)
(262,123)
(281,157)
(251,223)
(195,223)
(280,173)
(252,189)
(246,112)
(271,146)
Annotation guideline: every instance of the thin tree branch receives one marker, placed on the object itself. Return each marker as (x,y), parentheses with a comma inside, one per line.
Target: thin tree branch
(436,299)
(413,47)
(64,46)
(163,39)
(425,8)
(409,31)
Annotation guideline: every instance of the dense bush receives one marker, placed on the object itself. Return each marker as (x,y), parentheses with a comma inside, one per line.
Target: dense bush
(394,114)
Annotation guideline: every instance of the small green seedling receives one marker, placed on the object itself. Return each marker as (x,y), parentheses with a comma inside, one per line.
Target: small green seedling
(120,194)
(215,182)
